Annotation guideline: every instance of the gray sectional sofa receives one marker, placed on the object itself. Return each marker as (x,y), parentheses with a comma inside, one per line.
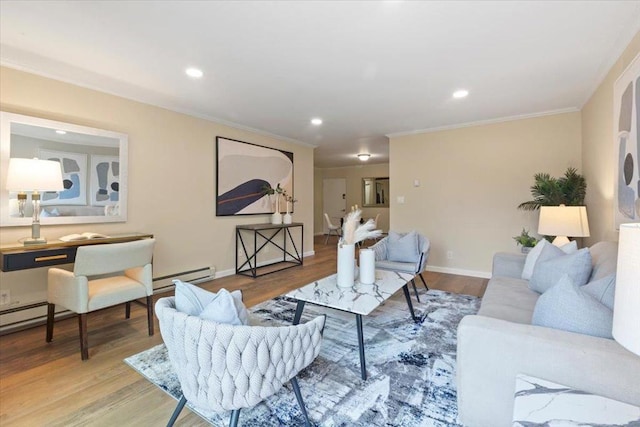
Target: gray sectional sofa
(500,342)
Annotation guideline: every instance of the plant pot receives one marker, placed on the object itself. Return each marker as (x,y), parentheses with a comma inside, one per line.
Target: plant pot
(526,249)
(276,218)
(287,218)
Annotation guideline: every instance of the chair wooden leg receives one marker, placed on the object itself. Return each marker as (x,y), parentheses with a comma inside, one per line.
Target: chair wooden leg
(423,282)
(127,310)
(51,311)
(296,390)
(84,341)
(235,416)
(150,313)
(415,290)
(177,411)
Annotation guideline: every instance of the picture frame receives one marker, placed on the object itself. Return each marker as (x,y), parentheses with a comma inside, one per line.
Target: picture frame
(244,173)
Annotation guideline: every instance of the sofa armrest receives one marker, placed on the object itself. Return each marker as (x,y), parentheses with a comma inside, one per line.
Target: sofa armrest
(508,264)
(491,352)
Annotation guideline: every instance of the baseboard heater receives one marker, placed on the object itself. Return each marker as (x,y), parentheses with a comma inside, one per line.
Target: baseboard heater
(38,313)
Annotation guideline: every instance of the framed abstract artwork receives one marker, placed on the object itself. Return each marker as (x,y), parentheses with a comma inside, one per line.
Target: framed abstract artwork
(74,177)
(105,180)
(243,172)
(626,124)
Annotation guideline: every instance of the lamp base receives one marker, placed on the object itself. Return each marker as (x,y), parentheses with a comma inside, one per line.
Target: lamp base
(560,241)
(32,241)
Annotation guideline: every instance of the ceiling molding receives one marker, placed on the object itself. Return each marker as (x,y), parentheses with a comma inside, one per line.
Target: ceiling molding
(483,122)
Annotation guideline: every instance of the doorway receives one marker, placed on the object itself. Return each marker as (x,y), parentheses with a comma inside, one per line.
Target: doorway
(334,200)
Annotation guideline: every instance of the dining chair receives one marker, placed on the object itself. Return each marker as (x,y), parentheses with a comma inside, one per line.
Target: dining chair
(332,228)
(103,276)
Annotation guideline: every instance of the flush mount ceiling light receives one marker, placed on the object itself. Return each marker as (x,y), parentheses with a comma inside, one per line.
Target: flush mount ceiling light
(316,121)
(364,157)
(61,132)
(462,93)
(194,72)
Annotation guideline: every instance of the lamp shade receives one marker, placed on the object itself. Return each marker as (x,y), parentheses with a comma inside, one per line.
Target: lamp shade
(34,175)
(563,220)
(626,309)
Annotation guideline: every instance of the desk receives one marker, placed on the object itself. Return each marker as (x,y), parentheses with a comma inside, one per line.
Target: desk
(19,257)
(267,232)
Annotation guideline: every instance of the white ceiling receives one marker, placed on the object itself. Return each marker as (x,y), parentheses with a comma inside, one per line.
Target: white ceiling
(368,69)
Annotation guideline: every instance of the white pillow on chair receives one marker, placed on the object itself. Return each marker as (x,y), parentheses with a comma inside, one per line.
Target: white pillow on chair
(221,307)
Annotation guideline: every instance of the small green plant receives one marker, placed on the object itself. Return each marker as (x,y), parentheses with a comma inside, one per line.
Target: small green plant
(525,240)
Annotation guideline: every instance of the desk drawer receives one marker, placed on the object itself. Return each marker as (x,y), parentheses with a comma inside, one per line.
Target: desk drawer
(13,261)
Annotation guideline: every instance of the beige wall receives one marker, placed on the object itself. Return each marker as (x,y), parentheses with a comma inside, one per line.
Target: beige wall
(471,182)
(353,176)
(598,149)
(171,177)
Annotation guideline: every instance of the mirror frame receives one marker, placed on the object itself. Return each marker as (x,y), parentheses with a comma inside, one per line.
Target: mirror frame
(6,119)
(373,205)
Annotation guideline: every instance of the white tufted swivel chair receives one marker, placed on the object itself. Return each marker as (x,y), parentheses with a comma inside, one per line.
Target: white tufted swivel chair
(223,367)
(416,268)
(85,289)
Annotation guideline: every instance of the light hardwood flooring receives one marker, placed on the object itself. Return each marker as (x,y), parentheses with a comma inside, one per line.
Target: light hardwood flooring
(48,385)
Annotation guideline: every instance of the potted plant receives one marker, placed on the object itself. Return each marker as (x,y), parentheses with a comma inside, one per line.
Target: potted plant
(287,219)
(569,190)
(527,242)
(276,218)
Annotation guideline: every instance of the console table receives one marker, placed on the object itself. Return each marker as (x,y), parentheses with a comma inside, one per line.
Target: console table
(55,252)
(271,235)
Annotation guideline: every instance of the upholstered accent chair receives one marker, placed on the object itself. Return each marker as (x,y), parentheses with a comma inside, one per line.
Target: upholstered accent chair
(224,367)
(387,260)
(332,228)
(102,276)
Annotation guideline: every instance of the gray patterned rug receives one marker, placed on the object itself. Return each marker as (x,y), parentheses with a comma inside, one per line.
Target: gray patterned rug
(410,367)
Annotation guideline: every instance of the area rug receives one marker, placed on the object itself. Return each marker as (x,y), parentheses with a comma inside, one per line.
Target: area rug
(411,367)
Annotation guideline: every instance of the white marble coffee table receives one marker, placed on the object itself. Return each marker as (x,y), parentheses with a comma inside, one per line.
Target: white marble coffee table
(543,403)
(359,299)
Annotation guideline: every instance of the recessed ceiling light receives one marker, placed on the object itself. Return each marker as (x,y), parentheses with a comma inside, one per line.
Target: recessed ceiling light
(61,132)
(364,157)
(462,93)
(316,121)
(194,72)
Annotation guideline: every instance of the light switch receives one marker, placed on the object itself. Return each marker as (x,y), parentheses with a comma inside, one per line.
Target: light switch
(400,200)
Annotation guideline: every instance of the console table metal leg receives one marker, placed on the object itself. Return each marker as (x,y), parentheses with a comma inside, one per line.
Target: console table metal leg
(299,308)
(363,366)
(407,296)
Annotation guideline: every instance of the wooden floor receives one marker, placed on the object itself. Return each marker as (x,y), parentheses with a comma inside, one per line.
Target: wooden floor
(47,384)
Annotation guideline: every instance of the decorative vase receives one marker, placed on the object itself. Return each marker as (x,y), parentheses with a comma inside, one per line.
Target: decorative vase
(346,265)
(276,218)
(367,266)
(525,249)
(287,218)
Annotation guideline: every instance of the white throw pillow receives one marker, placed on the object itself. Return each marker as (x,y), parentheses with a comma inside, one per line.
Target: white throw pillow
(403,248)
(221,307)
(534,254)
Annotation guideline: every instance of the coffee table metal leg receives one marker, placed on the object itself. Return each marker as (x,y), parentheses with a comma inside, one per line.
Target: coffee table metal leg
(299,308)
(407,296)
(363,365)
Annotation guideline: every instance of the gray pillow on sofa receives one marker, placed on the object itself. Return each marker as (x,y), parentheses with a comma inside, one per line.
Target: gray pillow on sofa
(534,254)
(553,263)
(603,289)
(567,307)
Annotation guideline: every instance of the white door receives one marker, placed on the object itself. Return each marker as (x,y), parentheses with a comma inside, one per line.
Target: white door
(334,200)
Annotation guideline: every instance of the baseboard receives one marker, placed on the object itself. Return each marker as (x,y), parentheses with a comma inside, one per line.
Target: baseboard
(232,271)
(459,271)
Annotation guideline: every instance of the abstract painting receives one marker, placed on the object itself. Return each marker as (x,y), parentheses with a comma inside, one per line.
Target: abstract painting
(244,170)
(105,180)
(626,110)
(74,177)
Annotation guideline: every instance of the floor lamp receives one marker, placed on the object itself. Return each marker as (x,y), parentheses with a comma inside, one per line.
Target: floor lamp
(34,176)
(563,222)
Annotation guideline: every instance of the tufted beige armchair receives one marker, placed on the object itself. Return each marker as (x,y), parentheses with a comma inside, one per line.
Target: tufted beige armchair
(225,367)
(102,276)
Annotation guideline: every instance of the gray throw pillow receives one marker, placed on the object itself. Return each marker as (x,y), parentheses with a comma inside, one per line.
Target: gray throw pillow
(603,289)
(534,254)
(553,263)
(403,247)
(567,307)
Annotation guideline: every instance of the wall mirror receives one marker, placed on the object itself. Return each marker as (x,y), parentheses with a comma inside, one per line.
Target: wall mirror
(375,192)
(94,171)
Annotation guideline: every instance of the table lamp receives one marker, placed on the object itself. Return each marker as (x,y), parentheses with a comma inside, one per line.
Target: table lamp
(33,175)
(563,221)
(626,308)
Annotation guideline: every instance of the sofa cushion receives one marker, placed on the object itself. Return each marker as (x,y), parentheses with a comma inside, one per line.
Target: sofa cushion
(403,247)
(508,299)
(604,258)
(567,307)
(553,263)
(405,267)
(534,254)
(602,289)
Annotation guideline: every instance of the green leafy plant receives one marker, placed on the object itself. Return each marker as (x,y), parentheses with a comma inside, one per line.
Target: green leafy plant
(569,190)
(525,240)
